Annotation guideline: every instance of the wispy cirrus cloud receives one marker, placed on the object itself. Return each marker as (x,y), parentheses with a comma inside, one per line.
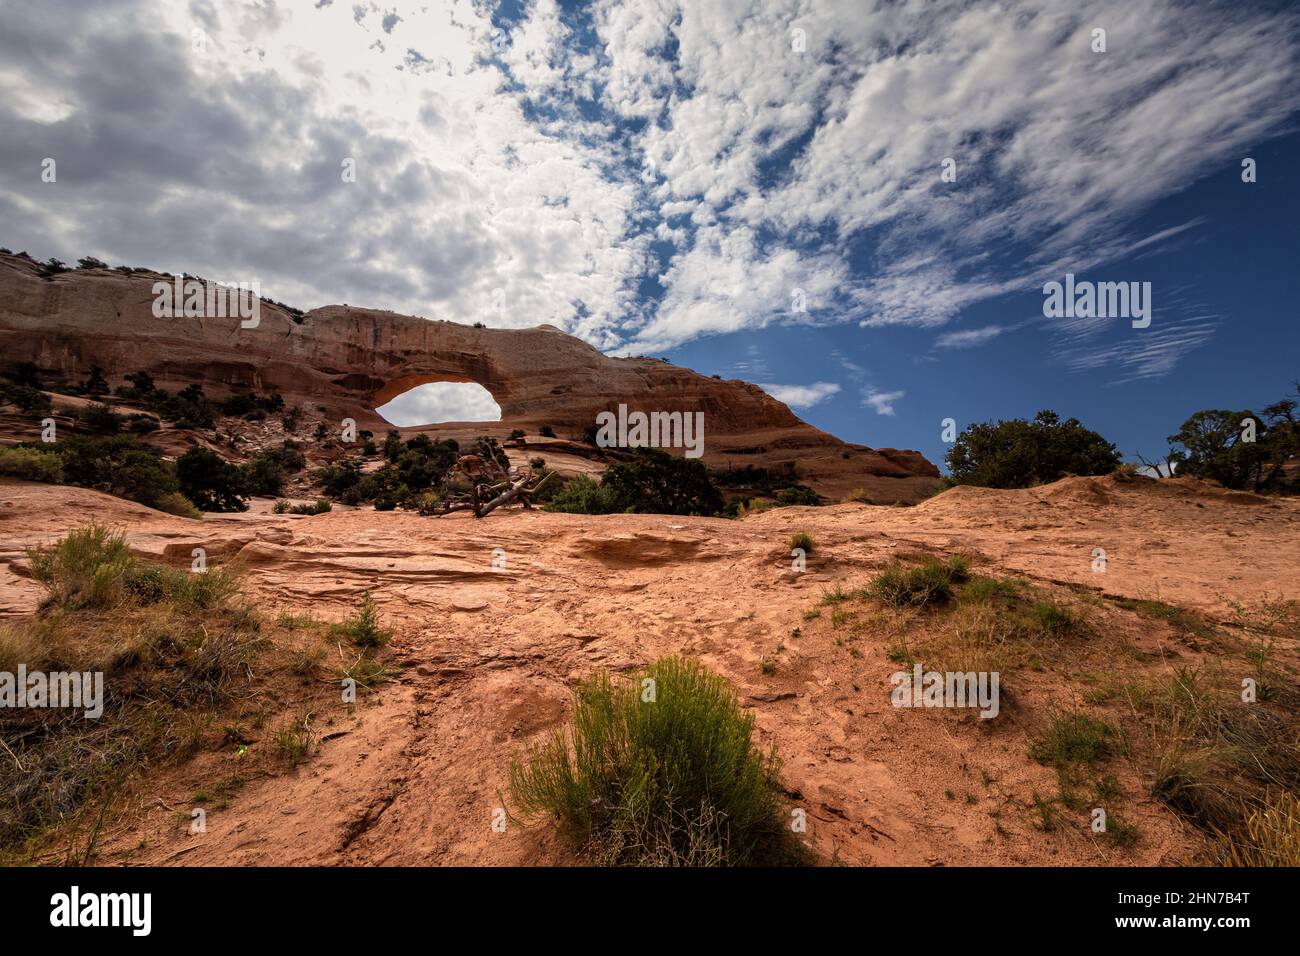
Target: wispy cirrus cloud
(969,338)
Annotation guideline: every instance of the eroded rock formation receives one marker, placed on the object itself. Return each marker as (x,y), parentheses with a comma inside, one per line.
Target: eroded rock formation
(344,361)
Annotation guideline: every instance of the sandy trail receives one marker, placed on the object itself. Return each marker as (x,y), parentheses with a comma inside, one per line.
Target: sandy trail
(491,655)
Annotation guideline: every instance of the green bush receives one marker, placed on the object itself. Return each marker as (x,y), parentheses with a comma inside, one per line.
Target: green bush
(318,507)
(177,504)
(100,418)
(919,586)
(211,482)
(188,408)
(802,539)
(658,769)
(28,399)
(120,465)
(1019,453)
(263,474)
(655,482)
(1072,738)
(86,569)
(798,495)
(365,628)
(582,496)
(31,465)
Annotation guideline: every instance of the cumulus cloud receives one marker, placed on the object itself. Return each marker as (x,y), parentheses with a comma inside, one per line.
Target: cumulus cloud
(555,166)
(802,396)
(882,402)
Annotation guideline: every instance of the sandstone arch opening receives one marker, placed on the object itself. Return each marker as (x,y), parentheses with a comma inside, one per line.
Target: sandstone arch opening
(435,403)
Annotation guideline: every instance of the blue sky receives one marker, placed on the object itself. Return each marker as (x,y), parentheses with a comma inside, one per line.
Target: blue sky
(670,179)
(1233,278)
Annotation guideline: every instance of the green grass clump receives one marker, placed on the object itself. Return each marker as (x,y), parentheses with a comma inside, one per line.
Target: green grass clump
(990,590)
(1049,619)
(802,539)
(1072,738)
(659,769)
(294,742)
(319,507)
(365,628)
(86,569)
(922,585)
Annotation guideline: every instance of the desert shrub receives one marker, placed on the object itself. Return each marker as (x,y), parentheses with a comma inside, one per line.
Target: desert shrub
(990,590)
(28,399)
(120,465)
(31,465)
(673,778)
(412,468)
(1019,453)
(211,482)
(655,482)
(86,568)
(26,374)
(798,495)
(189,408)
(248,403)
(100,418)
(1050,619)
(142,386)
(95,383)
(293,743)
(318,507)
(263,474)
(918,586)
(582,496)
(364,628)
(546,431)
(138,424)
(281,507)
(516,433)
(801,539)
(175,503)
(1071,738)
(1215,758)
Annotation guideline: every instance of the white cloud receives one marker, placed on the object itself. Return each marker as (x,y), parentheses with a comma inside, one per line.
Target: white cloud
(969,338)
(882,402)
(437,402)
(802,396)
(487,174)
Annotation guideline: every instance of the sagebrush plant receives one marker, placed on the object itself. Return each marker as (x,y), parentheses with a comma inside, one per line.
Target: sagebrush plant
(87,568)
(927,583)
(365,627)
(660,773)
(31,465)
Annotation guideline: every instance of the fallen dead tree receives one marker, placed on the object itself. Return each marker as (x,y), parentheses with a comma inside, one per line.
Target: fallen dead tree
(491,485)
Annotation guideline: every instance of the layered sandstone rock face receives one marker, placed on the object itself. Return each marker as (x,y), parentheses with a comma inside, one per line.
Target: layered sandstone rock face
(342,361)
